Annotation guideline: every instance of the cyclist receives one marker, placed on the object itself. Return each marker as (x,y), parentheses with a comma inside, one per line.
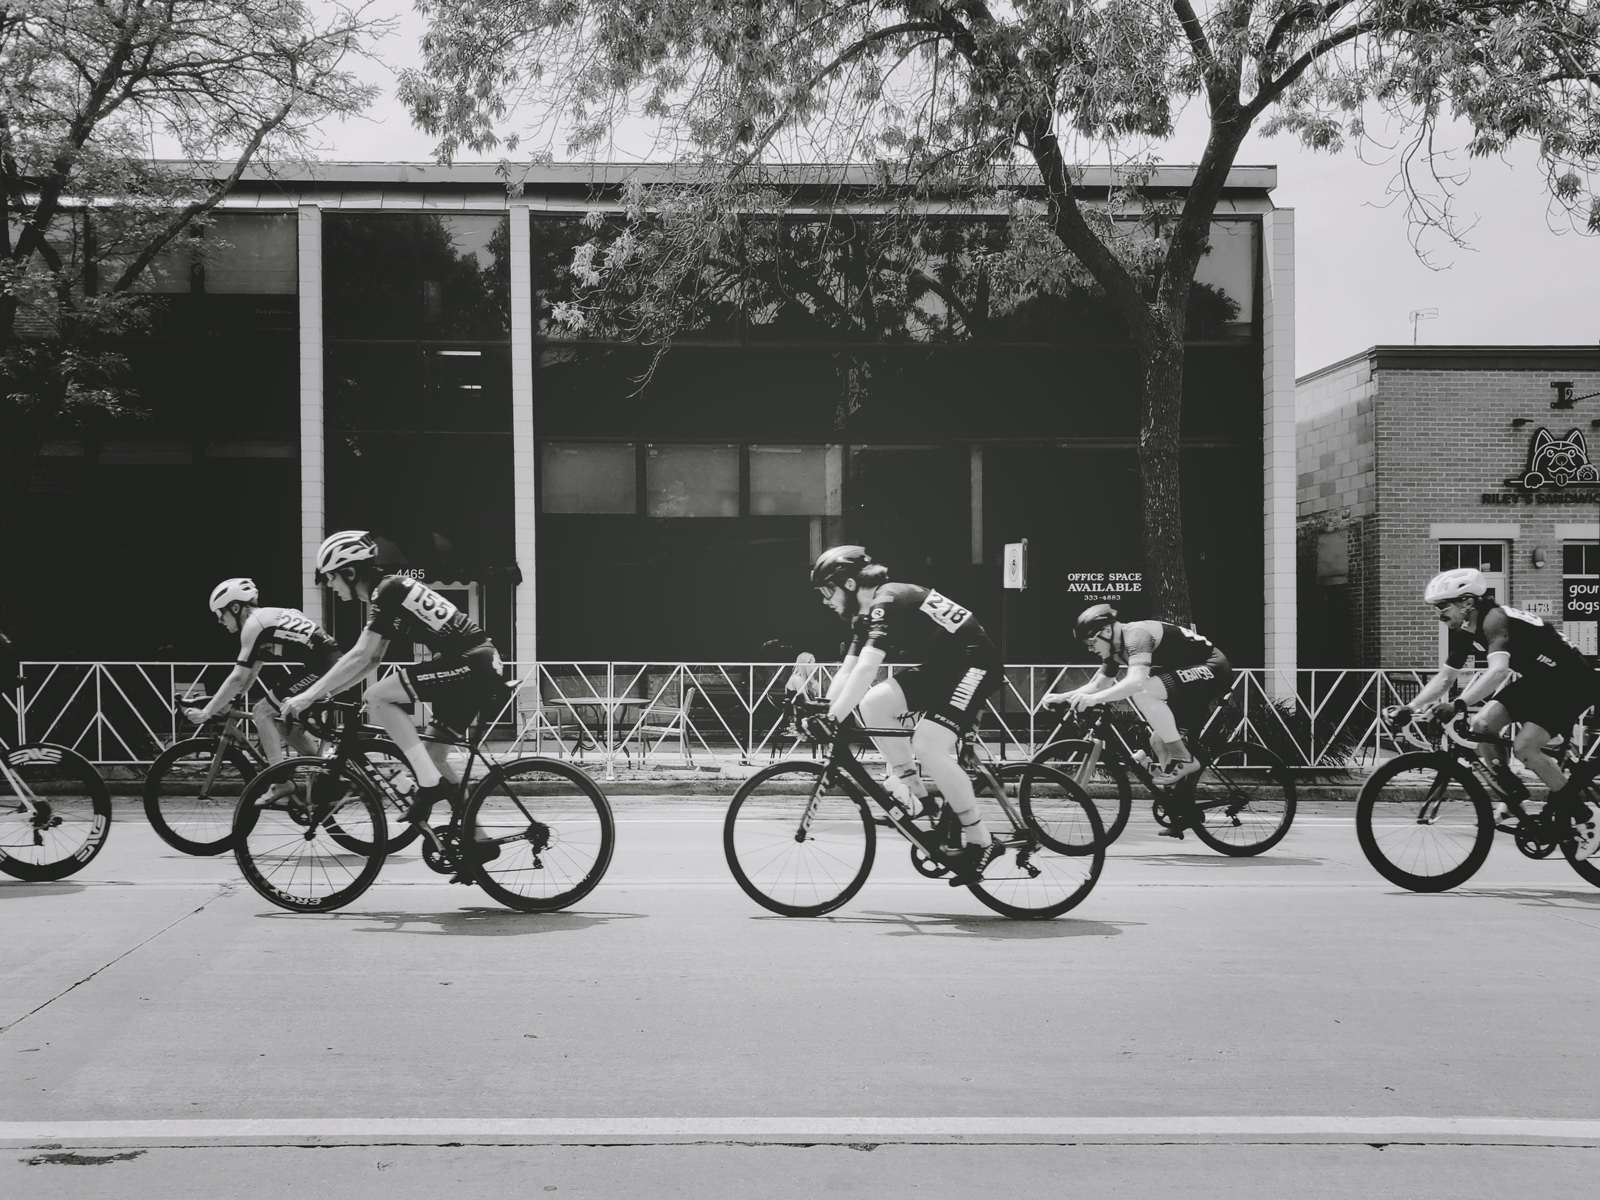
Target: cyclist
(284,634)
(1555,685)
(461,682)
(959,669)
(1173,676)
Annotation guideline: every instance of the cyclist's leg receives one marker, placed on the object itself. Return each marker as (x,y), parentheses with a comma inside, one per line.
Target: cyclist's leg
(389,703)
(954,696)
(1165,740)
(883,706)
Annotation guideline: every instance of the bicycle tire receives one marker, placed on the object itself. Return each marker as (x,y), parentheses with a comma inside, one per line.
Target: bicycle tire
(783,870)
(1583,776)
(1256,800)
(554,828)
(1399,842)
(71,820)
(183,812)
(1107,785)
(294,863)
(1029,881)
(388,764)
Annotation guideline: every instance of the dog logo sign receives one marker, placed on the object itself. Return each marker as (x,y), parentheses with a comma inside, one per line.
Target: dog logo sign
(1561,461)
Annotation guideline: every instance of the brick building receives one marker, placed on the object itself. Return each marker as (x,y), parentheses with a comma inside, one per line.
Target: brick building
(1416,459)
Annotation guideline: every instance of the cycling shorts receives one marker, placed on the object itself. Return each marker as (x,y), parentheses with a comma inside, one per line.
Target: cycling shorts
(460,687)
(1553,704)
(1191,690)
(951,691)
(281,690)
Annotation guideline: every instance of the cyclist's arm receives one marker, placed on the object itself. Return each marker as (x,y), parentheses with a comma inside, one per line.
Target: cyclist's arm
(1490,680)
(240,678)
(1131,683)
(841,676)
(1098,682)
(842,699)
(1437,688)
(358,662)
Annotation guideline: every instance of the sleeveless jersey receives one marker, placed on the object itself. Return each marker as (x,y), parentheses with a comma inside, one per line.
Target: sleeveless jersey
(285,635)
(1537,650)
(406,610)
(1171,647)
(914,624)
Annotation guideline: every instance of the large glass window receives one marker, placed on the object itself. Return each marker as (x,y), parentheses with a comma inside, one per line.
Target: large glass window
(792,481)
(691,481)
(1580,595)
(252,254)
(427,276)
(580,477)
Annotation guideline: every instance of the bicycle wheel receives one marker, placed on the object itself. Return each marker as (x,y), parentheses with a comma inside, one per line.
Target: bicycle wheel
(190,794)
(1424,822)
(1245,799)
(1028,880)
(69,818)
(797,842)
(1106,783)
(289,851)
(1051,811)
(1583,775)
(553,827)
(392,775)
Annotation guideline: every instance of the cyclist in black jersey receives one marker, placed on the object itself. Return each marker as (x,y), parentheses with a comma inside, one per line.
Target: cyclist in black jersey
(1555,684)
(1173,676)
(267,634)
(463,682)
(958,669)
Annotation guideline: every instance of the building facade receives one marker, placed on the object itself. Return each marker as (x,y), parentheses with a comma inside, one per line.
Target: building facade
(373,346)
(1417,459)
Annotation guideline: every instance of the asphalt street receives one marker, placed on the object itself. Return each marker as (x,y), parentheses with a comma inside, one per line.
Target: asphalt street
(1200,1026)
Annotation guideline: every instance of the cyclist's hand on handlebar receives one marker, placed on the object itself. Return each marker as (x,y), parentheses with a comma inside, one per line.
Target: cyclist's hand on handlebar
(195,716)
(1444,710)
(820,727)
(294,708)
(1054,700)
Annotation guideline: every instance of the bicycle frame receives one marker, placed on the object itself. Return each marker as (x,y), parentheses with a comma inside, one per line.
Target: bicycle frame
(1094,731)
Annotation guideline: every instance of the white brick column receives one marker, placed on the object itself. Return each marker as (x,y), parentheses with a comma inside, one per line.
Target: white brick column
(524,507)
(1278,449)
(312,452)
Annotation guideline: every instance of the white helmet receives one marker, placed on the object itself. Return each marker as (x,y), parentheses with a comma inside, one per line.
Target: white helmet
(342,549)
(1452,585)
(230,590)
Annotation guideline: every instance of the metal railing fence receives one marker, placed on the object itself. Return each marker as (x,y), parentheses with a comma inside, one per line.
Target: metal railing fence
(688,715)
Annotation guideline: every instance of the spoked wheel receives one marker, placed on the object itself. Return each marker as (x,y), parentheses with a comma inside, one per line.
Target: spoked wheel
(1029,880)
(1424,822)
(1246,800)
(550,828)
(1583,775)
(796,841)
(1053,811)
(55,816)
(1105,783)
(289,833)
(395,783)
(190,794)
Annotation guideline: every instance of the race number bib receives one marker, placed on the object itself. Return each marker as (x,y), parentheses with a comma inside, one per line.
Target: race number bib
(296,628)
(432,609)
(945,612)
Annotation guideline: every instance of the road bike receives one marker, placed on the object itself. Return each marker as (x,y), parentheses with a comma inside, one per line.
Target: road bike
(1241,802)
(55,811)
(309,834)
(1426,821)
(193,787)
(800,836)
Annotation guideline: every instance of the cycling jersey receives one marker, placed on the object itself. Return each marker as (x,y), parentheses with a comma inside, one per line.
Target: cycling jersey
(1537,650)
(406,610)
(1170,647)
(285,635)
(914,624)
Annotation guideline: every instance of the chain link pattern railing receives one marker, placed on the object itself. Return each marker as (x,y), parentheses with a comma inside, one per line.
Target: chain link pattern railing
(636,715)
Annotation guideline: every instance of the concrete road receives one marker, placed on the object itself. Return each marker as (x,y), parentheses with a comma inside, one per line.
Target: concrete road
(1288,1025)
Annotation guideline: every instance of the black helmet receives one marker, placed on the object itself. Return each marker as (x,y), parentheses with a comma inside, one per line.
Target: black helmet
(1093,619)
(834,566)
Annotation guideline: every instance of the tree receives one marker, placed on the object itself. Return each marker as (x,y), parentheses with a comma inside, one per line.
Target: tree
(86,89)
(965,97)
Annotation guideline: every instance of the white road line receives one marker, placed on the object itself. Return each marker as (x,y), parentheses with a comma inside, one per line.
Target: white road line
(820,1129)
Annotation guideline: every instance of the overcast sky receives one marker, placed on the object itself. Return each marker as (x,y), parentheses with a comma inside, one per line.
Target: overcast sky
(1520,282)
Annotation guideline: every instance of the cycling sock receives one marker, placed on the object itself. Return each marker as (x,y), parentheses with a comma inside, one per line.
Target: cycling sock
(423,768)
(976,834)
(913,780)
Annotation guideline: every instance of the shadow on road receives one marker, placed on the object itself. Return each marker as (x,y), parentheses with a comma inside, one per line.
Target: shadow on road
(901,924)
(1222,860)
(1537,897)
(467,922)
(21,889)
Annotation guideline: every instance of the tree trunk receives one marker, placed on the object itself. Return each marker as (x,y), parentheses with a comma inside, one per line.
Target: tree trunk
(1166,578)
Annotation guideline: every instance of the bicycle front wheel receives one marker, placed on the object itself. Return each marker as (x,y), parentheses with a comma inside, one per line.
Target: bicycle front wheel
(55,812)
(552,831)
(1030,880)
(1583,777)
(797,842)
(1244,800)
(1424,822)
(391,773)
(1105,783)
(190,793)
(288,828)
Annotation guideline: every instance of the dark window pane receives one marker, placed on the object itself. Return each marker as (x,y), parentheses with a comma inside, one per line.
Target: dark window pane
(252,254)
(578,477)
(691,481)
(427,276)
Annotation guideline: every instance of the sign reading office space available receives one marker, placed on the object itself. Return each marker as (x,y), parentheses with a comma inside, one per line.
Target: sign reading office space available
(1101,583)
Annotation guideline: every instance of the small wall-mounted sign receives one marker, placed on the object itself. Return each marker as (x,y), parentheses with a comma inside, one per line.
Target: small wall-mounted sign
(1540,608)
(1559,472)
(1015,575)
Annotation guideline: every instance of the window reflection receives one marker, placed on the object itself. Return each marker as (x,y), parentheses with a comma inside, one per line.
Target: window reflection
(691,481)
(396,276)
(579,477)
